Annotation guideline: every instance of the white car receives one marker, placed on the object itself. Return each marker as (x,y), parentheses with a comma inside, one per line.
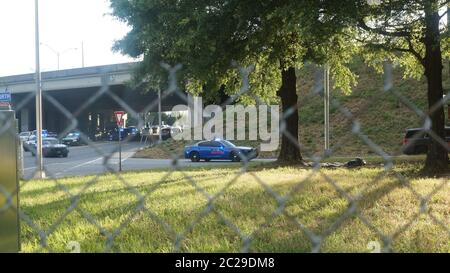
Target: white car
(24,136)
(31,142)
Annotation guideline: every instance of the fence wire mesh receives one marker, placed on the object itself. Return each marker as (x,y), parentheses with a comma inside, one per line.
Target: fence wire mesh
(71,195)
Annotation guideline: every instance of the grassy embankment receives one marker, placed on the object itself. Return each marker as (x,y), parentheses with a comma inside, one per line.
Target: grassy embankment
(382,116)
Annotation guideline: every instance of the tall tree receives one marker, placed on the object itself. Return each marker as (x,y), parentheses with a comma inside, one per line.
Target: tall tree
(206,35)
(448,35)
(409,32)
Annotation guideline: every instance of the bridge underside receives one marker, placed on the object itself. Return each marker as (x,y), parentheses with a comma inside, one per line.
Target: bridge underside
(92,108)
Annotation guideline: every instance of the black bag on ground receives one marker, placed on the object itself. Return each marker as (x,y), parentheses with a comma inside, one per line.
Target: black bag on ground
(357,162)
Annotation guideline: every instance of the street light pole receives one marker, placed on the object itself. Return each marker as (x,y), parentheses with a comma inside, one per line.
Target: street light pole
(40,174)
(82,54)
(159,115)
(326,87)
(58,53)
(57,56)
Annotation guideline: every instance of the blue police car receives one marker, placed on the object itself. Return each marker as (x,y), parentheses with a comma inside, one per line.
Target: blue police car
(218,149)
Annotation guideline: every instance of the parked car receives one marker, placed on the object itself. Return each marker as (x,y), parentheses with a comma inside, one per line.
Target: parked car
(31,140)
(165,133)
(131,133)
(73,139)
(51,148)
(218,149)
(98,135)
(24,136)
(28,144)
(154,130)
(169,131)
(416,142)
(113,135)
(44,133)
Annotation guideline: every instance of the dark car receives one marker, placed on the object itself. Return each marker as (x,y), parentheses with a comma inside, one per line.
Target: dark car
(51,148)
(416,141)
(131,133)
(73,139)
(52,134)
(219,149)
(170,131)
(113,135)
(166,133)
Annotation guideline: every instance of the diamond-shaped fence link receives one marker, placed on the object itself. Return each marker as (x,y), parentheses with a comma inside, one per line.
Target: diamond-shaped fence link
(140,208)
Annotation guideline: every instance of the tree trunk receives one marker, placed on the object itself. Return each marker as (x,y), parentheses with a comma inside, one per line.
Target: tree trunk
(290,148)
(448,33)
(437,156)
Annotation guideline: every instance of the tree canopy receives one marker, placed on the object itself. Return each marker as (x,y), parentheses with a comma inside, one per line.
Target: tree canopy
(207,36)
(412,34)
(211,38)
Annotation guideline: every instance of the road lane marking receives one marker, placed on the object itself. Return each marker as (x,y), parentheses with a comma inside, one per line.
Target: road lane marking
(48,164)
(128,153)
(79,165)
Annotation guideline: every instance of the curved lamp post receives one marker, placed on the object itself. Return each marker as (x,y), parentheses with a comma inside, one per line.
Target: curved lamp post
(58,53)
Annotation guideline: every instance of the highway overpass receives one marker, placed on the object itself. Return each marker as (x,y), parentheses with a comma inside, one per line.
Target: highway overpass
(79,92)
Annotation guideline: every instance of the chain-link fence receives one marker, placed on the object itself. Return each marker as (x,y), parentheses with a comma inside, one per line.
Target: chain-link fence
(107,210)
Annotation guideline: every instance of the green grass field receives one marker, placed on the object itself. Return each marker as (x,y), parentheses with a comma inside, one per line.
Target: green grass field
(241,207)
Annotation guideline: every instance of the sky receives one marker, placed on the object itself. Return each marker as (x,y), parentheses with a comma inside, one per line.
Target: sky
(64,25)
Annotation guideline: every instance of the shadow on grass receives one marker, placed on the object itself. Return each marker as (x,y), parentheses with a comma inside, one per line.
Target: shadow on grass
(82,181)
(247,208)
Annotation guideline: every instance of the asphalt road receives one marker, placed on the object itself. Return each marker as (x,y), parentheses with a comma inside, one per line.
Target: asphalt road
(101,158)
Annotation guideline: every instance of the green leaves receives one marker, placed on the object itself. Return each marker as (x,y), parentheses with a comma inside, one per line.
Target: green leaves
(206,35)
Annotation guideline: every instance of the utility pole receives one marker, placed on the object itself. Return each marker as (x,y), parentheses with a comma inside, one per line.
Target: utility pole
(40,174)
(326,96)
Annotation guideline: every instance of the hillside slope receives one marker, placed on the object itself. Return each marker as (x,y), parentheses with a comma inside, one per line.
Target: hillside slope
(382,116)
